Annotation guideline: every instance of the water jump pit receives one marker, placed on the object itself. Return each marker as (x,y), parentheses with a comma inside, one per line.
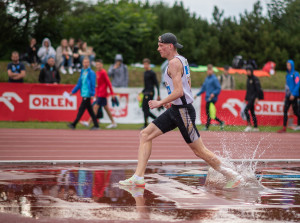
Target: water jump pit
(174,192)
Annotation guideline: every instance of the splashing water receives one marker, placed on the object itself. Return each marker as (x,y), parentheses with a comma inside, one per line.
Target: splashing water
(252,189)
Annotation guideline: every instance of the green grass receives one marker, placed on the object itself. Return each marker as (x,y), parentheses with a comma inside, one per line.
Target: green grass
(63,125)
(275,82)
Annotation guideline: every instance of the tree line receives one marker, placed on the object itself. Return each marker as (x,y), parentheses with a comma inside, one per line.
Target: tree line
(131,28)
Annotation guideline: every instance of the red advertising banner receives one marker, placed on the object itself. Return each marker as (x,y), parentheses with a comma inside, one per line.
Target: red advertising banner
(268,111)
(36,102)
(46,102)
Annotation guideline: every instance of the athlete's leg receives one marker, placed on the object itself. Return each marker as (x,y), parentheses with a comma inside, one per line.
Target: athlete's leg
(296,110)
(252,111)
(246,111)
(202,152)
(287,104)
(106,108)
(146,137)
(210,158)
(95,109)
(92,114)
(81,110)
(207,114)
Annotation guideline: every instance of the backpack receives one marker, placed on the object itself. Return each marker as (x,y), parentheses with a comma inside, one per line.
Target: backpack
(260,91)
(295,81)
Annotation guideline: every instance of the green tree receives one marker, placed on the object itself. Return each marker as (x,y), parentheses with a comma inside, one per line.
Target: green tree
(112,28)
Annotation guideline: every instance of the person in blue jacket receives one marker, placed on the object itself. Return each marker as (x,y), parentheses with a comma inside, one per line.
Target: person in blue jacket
(86,83)
(291,94)
(212,88)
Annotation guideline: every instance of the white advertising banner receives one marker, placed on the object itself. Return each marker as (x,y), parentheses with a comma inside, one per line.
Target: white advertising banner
(129,112)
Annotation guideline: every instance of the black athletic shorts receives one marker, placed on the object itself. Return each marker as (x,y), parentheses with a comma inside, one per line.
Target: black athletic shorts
(181,116)
(101,101)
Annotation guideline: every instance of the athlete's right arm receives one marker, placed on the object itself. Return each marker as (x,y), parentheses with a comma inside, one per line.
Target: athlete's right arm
(175,71)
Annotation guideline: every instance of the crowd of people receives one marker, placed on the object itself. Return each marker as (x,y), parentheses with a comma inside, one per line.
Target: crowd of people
(70,56)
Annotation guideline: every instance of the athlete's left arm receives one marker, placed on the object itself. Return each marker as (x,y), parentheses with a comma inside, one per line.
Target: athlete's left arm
(175,72)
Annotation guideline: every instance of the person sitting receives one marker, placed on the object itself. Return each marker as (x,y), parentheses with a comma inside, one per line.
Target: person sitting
(75,54)
(16,70)
(64,57)
(86,51)
(118,71)
(49,74)
(32,57)
(45,51)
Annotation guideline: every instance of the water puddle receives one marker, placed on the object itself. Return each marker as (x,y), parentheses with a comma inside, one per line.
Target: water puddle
(173,193)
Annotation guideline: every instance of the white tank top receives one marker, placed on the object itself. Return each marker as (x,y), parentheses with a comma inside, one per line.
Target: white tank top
(187,97)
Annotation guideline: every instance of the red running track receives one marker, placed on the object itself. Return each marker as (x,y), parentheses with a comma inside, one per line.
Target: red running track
(49,144)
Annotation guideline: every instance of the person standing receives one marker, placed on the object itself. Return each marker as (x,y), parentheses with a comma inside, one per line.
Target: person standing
(103,83)
(252,98)
(49,74)
(86,83)
(212,88)
(16,70)
(180,113)
(292,86)
(119,72)
(150,81)
(226,80)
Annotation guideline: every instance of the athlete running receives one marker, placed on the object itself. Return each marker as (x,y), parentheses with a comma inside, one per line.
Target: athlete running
(180,113)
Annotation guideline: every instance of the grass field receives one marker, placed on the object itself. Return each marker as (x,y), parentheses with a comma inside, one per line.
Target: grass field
(275,82)
(63,125)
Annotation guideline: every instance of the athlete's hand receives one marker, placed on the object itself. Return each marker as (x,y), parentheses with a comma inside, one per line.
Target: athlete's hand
(256,101)
(292,97)
(167,106)
(195,96)
(154,104)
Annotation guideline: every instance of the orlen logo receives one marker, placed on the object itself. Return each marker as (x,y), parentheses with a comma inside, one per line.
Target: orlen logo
(7,97)
(51,102)
(269,108)
(235,105)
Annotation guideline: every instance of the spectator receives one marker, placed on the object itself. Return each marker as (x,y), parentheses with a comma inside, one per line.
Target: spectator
(251,99)
(86,83)
(75,54)
(118,71)
(150,81)
(103,83)
(212,88)
(49,74)
(86,51)
(64,57)
(45,51)
(32,54)
(227,81)
(292,86)
(16,70)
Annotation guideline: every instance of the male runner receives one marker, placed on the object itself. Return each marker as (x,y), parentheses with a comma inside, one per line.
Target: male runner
(180,113)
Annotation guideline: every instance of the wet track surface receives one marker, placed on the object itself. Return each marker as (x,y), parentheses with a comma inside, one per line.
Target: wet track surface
(173,193)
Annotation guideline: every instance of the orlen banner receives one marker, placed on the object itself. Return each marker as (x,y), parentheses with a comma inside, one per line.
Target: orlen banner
(268,111)
(45,102)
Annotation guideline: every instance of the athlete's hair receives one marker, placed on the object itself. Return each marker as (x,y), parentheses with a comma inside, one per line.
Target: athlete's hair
(86,58)
(99,61)
(146,60)
(210,66)
(15,52)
